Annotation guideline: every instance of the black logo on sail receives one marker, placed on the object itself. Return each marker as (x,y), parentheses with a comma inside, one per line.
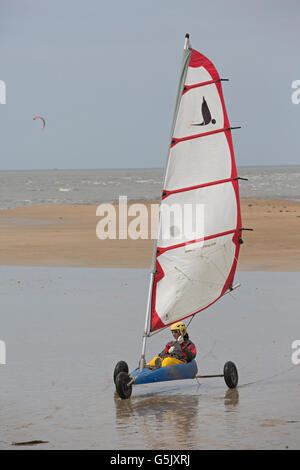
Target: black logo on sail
(207,119)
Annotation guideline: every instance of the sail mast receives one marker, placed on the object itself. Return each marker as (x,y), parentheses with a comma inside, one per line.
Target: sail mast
(182,76)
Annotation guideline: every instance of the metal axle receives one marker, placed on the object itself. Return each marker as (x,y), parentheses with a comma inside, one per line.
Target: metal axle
(208,376)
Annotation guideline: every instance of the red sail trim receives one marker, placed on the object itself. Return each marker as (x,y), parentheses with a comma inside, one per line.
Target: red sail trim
(161,250)
(199,60)
(197,85)
(238,205)
(167,193)
(175,140)
(156,323)
(230,277)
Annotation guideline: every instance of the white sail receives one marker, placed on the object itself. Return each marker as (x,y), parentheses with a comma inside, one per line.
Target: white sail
(192,272)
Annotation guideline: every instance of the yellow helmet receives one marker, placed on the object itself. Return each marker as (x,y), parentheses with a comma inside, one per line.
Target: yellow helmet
(180,327)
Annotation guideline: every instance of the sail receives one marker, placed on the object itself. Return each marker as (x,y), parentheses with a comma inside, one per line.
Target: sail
(194,268)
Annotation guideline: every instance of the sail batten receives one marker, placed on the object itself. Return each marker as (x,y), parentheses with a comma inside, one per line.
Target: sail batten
(197,85)
(193,270)
(191,188)
(176,141)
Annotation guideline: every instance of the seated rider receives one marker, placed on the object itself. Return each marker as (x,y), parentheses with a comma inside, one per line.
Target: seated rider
(178,351)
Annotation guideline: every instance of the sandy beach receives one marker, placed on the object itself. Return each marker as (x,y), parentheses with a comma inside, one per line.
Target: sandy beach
(66,236)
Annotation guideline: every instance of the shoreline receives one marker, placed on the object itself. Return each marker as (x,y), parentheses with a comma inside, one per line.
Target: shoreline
(65,236)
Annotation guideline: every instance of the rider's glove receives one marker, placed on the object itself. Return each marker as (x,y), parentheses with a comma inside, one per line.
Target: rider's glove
(180,339)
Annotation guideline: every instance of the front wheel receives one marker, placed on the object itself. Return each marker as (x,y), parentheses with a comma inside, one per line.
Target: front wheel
(230,375)
(123,389)
(121,366)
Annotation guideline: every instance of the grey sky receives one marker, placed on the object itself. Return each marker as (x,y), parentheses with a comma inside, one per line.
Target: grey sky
(104,75)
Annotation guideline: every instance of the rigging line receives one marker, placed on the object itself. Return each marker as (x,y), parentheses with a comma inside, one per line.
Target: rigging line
(227,260)
(205,257)
(220,272)
(162,250)
(270,377)
(217,284)
(190,320)
(152,333)
(217,268)
(232,296)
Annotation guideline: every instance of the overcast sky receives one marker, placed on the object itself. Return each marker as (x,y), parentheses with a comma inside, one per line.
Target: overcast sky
(104,75)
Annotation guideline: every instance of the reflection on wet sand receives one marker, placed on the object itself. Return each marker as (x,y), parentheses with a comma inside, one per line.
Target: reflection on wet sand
(231,398)
(176,418)
(161,419)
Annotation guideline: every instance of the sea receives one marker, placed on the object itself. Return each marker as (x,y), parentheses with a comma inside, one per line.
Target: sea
(63,187)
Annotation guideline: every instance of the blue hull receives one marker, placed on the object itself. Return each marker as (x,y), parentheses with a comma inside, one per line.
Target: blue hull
(173,372)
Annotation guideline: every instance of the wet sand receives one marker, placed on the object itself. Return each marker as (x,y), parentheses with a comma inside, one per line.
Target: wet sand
(66,236)
(65,329)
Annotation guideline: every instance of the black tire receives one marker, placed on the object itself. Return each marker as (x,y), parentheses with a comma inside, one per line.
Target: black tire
(231,376)
(121,366)
(123,389)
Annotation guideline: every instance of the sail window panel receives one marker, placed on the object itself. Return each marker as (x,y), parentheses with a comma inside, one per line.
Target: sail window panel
(198,161)
(213,210)
(193,280)
(200,111)
(197,75)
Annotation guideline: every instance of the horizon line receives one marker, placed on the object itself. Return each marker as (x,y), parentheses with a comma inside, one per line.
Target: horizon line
(136,168)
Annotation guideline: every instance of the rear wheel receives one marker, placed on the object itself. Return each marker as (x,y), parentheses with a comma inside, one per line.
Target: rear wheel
(121,366)
(230,375)
(123,389)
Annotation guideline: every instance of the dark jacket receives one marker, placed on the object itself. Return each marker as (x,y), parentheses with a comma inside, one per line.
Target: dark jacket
(184,352)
